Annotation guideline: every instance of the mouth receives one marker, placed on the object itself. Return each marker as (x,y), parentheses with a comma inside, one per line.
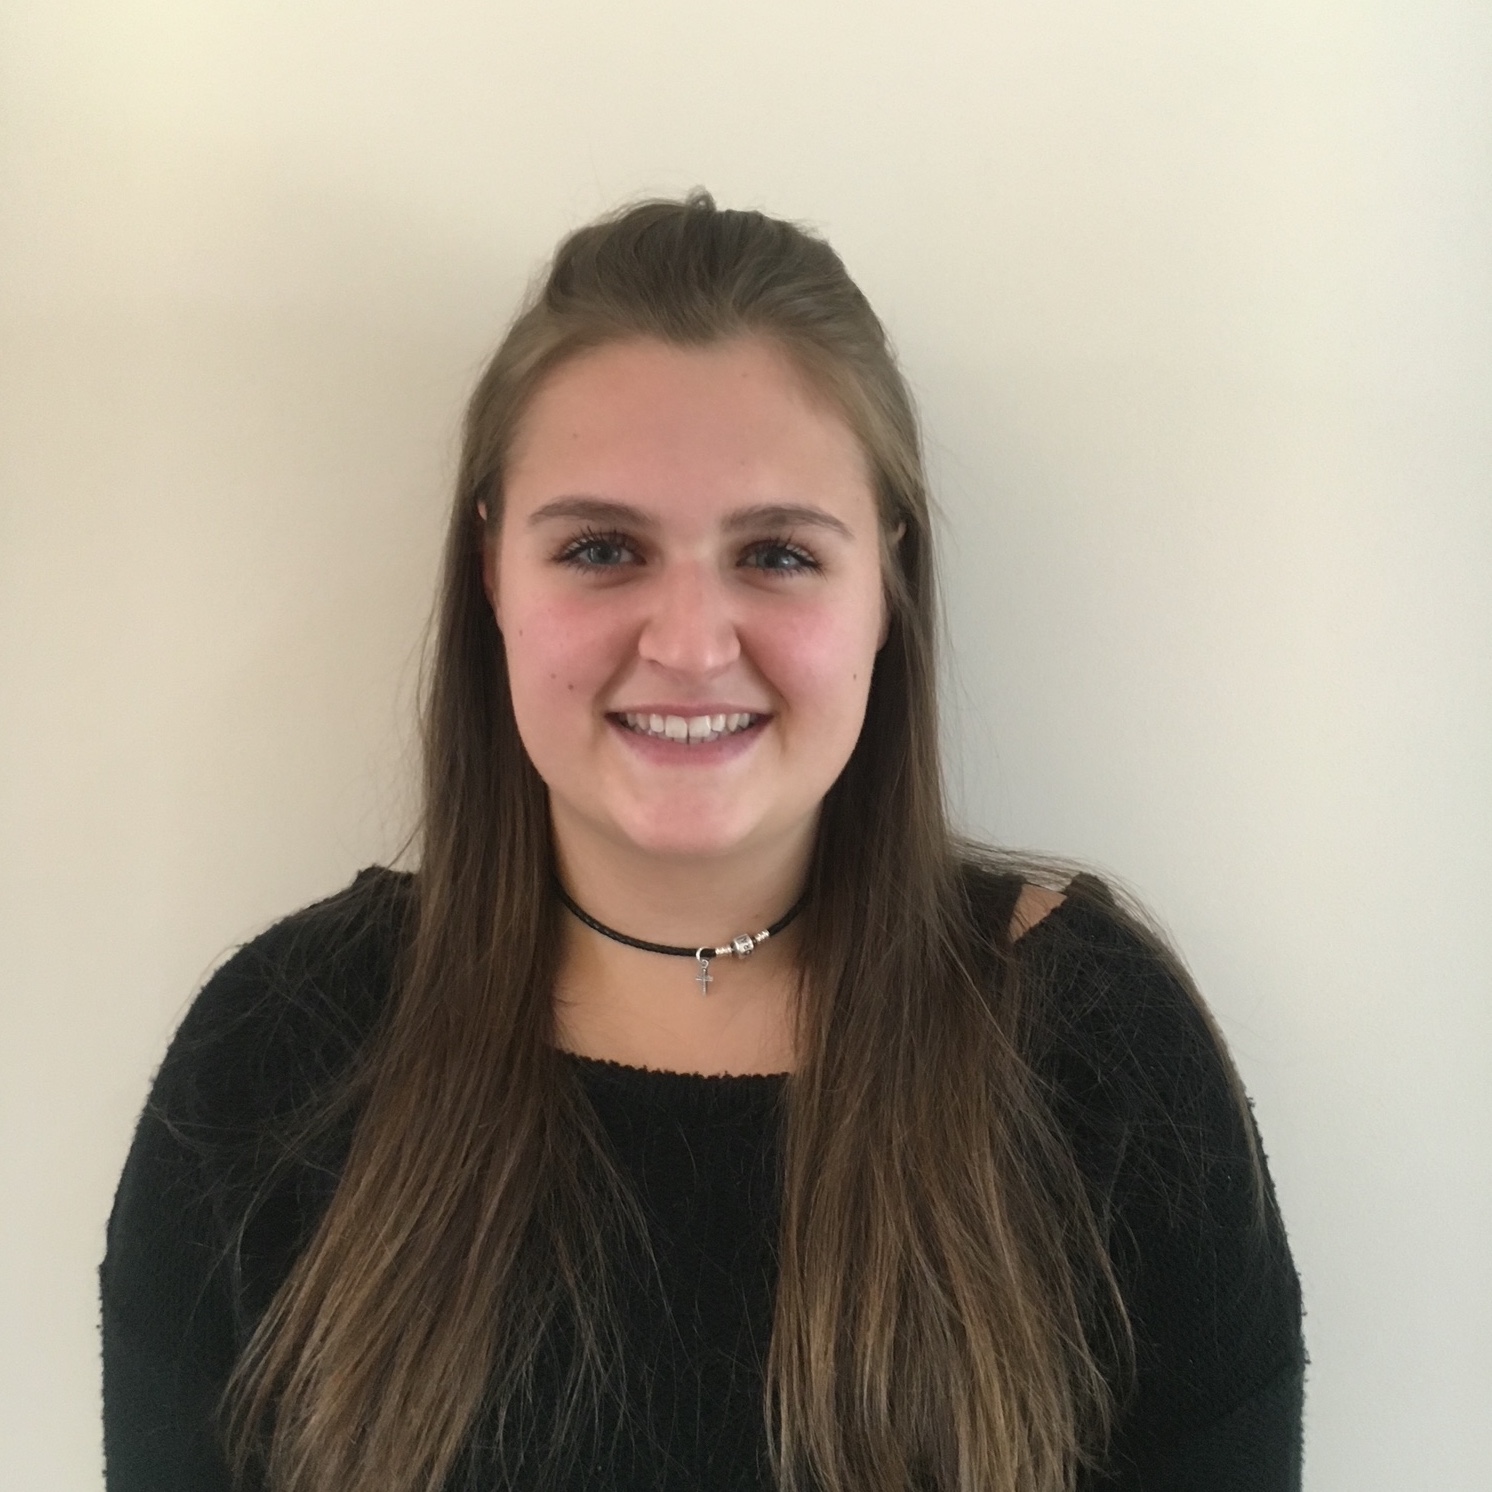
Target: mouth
(688,730)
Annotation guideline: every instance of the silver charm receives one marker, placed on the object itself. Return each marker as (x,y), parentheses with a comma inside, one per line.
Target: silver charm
(738,947)
(704,979)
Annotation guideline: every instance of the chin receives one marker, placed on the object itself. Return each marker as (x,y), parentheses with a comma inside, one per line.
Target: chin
(679,830)
(685,842)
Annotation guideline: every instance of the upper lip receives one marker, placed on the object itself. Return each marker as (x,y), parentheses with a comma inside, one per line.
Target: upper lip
(688,712)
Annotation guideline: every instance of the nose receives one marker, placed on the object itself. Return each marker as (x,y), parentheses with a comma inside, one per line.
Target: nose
(690,628)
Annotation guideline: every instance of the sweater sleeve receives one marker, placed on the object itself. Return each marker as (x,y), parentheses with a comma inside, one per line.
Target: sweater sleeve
(1254,1447)
(168,1342)
(1195,1234)
(213,1206)
(170,1336)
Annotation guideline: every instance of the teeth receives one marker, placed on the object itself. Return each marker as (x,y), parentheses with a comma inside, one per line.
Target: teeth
(692,729)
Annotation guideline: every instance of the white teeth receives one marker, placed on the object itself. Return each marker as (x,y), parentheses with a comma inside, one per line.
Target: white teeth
(692,729)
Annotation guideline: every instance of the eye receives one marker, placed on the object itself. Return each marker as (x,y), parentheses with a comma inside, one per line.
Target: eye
(596,551)
(780,556)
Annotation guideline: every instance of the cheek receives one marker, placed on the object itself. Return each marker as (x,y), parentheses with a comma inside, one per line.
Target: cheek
(559,652)
(819,657)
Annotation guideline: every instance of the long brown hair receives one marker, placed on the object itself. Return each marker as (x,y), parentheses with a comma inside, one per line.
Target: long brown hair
(943,1283)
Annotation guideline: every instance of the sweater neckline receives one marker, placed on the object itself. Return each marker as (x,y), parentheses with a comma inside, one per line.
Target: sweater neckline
(670,1087)
(677,1096)
(606,1067)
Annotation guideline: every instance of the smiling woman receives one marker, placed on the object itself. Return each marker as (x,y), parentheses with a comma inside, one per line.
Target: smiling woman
(928,1177)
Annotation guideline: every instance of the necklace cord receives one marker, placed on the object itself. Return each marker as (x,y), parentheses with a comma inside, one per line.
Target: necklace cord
(703,951)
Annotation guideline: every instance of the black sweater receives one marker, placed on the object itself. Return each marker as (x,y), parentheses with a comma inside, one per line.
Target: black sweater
(1211,1292)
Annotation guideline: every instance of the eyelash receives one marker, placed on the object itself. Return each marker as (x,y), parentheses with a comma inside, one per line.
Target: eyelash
(590,538)
(570,555)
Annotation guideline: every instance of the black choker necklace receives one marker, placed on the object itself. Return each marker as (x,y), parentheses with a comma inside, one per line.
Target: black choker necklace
(738,947)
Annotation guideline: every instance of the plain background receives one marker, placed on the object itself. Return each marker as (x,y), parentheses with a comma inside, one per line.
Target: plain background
(1197,301)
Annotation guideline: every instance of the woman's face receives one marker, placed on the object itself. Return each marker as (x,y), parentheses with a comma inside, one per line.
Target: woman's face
(687,581)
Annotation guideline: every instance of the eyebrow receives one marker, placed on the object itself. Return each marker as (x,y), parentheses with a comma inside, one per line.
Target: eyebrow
(761,515)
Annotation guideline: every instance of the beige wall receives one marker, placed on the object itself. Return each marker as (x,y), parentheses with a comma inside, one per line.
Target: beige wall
(1196,298)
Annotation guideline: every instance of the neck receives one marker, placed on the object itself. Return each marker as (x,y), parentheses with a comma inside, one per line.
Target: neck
(646,1009)
(683,899)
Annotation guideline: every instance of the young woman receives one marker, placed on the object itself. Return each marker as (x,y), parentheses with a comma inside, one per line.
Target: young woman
(701,1112)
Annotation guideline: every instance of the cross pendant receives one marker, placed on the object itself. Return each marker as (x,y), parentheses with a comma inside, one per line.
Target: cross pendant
(704,978)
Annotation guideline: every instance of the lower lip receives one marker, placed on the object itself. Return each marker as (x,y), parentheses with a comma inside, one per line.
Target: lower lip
(661,750)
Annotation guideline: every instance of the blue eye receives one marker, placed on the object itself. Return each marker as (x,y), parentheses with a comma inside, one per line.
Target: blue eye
(779,555)
(597,552)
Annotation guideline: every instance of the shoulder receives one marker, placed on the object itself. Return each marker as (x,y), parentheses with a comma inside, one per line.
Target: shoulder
(1033,905)
(272,1033)
(1126,1048)
(1092,969)
(1115,995)
(1101,1002)
(1141,1082)
(1163,1130)
(289,1009)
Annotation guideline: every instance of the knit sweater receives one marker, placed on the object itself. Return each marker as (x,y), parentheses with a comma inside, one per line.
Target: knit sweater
(1209,1287)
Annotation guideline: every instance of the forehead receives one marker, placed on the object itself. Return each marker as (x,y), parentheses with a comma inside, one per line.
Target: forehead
(646,420)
